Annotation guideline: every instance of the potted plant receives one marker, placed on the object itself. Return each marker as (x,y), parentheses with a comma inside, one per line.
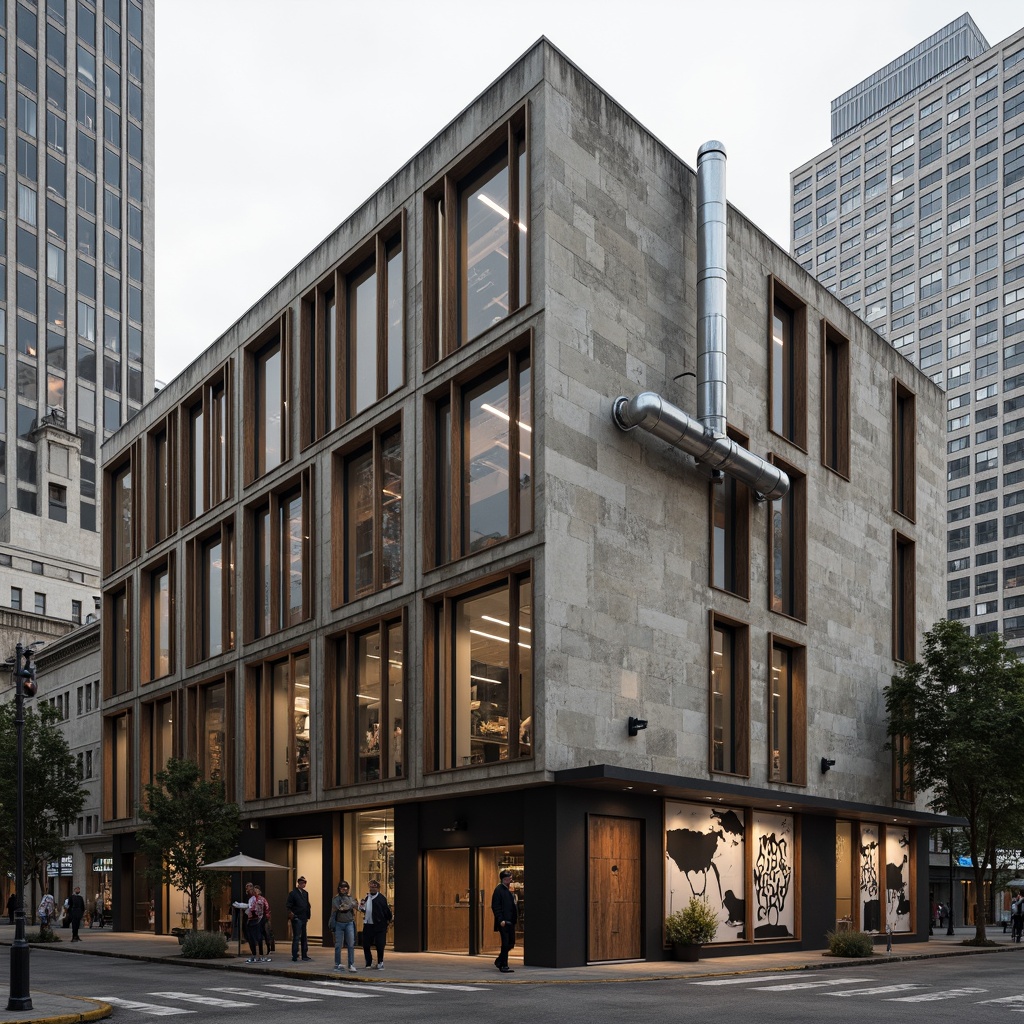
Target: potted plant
(688,929)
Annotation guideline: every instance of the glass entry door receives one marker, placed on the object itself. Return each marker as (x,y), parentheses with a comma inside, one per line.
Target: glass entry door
(491,860)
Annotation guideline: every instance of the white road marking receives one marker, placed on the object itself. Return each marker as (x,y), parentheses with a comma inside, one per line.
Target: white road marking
(344,993)
(151,1008)
(797,985)
(739,980)
(192,997)
(256,993)
(930,997)
(880,990)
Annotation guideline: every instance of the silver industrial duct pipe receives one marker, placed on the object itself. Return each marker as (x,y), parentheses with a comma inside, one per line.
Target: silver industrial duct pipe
(705,438)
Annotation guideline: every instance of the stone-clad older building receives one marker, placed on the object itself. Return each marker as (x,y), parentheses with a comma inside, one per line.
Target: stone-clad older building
(384,560)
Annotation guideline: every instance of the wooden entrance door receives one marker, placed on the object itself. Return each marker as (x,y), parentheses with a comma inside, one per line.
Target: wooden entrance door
(614,896)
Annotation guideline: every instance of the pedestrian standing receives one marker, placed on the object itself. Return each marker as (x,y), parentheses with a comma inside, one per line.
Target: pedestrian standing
(266,935)
(343,924)
(253,923)
(506,913)
(46,911)
(376,917)
(299,913)
(76,911)
(12,905)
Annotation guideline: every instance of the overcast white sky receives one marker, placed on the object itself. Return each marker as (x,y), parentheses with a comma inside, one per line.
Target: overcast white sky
(276,118)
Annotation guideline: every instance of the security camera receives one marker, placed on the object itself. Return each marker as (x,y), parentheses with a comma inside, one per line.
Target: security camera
(826,763)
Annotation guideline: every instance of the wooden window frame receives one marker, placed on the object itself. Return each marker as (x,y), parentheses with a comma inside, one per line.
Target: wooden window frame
(324,367)
(904,598)
(794,370)
(442,280)
(198,597)
(796,498)
(147,671)
(195,735)
(903,790)
(438,703)
(736,525)
(740,632)
(797,711)
(111,764)
(278,332)
(272,501)
(162,520)
(341,717)
(446,507)
(258,745)
(147,746)
(113,646)
(904,451)
(217,474)
(128,461)
(835,401)
(341,554)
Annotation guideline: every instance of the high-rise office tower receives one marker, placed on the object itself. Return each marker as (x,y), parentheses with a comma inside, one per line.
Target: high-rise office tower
(76,303)
(915,218)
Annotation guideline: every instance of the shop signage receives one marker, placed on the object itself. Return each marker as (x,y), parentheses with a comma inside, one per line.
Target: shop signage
(54,869)
(103,865)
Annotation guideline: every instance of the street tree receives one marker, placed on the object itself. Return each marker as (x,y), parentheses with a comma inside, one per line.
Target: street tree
(957,715)
(53,791)
(188,821)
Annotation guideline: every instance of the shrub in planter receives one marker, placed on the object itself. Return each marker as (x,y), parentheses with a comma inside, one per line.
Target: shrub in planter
(43,935)
(694,925)
(850,944)
(204,945)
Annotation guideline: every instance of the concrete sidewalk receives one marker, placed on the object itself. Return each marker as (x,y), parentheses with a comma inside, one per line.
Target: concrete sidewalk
(441,968)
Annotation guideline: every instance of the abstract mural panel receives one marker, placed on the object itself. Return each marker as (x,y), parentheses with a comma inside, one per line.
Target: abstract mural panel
(870,891)
(897,879)
(704,856)
(774,881)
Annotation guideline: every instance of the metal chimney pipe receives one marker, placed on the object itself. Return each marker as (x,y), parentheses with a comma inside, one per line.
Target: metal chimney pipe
(712,286)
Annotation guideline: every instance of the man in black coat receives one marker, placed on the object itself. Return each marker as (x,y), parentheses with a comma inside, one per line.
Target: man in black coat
(12,905)
(299,913)
(506,913)
(76,911)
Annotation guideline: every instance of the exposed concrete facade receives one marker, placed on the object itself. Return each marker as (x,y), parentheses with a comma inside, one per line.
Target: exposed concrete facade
(618,557)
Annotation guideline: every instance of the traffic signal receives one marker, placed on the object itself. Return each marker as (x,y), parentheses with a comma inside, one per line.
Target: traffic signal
(28,675)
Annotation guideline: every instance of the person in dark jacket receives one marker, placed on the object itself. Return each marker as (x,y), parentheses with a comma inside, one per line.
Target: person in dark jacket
(376,918)
(299,913)
(12,905)
(506,913)
(76,911)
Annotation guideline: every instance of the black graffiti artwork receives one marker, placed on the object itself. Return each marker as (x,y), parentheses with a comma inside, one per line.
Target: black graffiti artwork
(896,889)
(731,825)
(772,877)
(693,853)
(869,886)
(737,910)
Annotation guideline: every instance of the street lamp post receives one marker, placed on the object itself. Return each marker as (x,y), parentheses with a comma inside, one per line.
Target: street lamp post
(24,675)
(949,916)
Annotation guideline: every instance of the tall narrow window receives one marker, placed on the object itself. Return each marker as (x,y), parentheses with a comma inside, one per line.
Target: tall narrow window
(489,496)
(368,529)
(476,243)
(787,340)
(281,547)
(730,533)
(122,527)
(210,730)
(158,738)
(902,769)
(787,715)
(277,721)
(904,461)
(904,599)
(835,401)
(117,763)
(482,688)
(162,460)
(157,622)
(729,698)
(210,444)
(211,593)
(788,549)
(267,394)
(117,646)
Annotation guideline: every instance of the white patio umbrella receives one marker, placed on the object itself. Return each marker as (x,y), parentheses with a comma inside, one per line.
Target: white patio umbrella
(241,863)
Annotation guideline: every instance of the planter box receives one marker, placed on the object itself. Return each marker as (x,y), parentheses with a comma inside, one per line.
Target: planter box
(688,951)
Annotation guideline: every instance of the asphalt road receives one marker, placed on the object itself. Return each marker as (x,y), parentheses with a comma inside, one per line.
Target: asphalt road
(978,989)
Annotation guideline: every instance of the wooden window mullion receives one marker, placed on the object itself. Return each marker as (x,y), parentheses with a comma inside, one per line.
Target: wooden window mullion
(514,476)
(514,680)
(381,266)
(455,526)
(376,483)
(513,220)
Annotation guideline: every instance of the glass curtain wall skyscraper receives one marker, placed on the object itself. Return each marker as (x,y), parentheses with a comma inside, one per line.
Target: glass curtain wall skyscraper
(915,218)
(77,297)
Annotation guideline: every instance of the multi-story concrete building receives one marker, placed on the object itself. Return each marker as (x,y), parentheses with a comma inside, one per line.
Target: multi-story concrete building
(914,217)
(387,562)
(76,306)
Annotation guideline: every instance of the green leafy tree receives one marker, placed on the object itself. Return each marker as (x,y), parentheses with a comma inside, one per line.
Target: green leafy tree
(960,708)
(53,791)
(187,822)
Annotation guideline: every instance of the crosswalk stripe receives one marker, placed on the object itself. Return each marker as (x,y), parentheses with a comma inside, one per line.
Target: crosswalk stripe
(797,985)
(151,1008)
(739,980)
(439,986)
(192,997)
(880,990)
(256,993)
(343,993)
(1004,999)
(930,997)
